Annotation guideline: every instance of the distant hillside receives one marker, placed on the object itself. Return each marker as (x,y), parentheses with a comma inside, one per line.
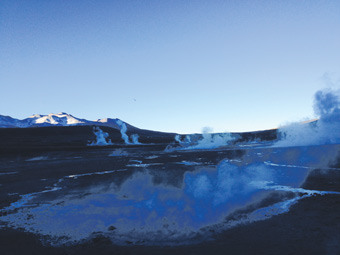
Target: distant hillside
(59,119)
(69,138)
(65,132)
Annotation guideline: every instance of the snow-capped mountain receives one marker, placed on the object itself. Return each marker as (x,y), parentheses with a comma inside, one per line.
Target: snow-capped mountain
(62,119)
(59,119)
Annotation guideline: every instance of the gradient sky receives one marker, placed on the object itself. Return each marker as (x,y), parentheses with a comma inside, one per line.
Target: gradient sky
(169,65)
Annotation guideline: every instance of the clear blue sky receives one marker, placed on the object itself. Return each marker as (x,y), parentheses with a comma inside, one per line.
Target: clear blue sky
(168,65)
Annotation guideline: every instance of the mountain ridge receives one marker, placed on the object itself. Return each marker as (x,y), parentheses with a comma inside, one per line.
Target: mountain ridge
(59,119)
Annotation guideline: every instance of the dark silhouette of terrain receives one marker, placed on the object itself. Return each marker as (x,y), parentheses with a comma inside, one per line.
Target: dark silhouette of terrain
(312,226)
(14,140)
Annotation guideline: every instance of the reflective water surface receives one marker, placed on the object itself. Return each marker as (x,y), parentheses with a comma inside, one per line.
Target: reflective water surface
(143,208)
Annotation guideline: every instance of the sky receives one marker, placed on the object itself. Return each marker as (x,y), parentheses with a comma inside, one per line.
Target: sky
(175,66)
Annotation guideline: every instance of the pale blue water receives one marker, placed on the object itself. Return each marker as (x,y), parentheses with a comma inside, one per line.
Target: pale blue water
(139,208)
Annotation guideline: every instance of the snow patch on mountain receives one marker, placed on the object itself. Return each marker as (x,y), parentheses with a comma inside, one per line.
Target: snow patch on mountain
(59,119)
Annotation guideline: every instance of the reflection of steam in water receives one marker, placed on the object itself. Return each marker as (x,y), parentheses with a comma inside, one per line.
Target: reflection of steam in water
(139,209)
(146,208)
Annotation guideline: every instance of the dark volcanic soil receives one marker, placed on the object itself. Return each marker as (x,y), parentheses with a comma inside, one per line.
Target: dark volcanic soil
(312,226)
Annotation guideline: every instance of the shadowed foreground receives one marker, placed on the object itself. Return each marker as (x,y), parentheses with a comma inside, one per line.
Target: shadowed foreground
(240,199)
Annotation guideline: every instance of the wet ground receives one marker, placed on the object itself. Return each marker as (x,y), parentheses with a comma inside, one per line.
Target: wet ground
(129,199)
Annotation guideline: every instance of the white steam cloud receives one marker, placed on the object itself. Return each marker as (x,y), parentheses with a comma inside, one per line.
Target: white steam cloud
(101,137)
(211,141)
(125,137)
(208,141)
(326,130)
(135,138)
(186,141)
(178,138)
(123,129)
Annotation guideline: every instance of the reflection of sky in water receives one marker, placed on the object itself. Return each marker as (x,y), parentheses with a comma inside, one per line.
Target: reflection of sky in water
(139,206)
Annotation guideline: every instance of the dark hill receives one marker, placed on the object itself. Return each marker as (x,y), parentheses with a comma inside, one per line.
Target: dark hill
(77,137)
(67,138)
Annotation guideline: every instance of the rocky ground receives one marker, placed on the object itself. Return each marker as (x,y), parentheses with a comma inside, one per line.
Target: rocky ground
(311,226)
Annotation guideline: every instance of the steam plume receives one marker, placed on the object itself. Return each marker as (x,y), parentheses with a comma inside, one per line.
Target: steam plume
(123,129)
(101,137)
(134,138)
(326,130)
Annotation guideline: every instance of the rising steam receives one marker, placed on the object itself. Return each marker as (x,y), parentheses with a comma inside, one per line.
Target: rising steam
(101,137)
(208,140)
(325,130)
(135,138)
(123,129)
(125,137)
